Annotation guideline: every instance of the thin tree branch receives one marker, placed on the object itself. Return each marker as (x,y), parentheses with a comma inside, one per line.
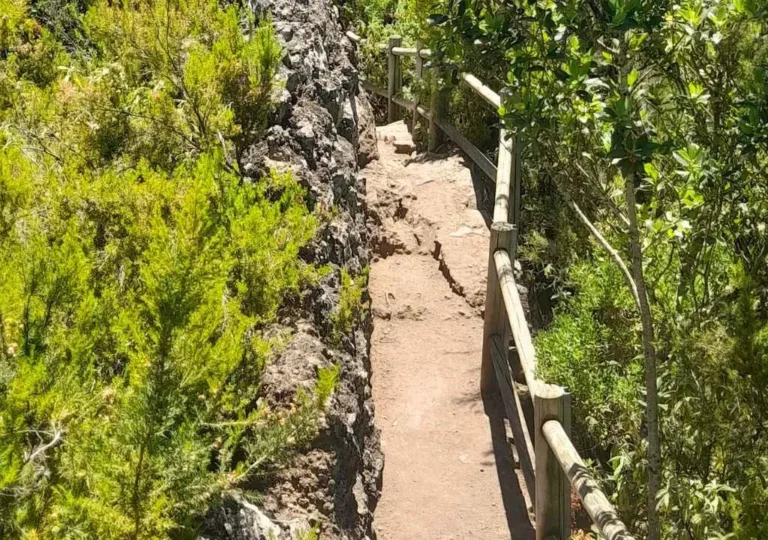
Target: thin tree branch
(649,354)
(610,249)
(44,447)
(612,205)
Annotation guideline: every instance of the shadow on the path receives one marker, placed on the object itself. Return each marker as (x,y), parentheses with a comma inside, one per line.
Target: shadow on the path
(485,191)
(425,157)
(483,186)
(520,527)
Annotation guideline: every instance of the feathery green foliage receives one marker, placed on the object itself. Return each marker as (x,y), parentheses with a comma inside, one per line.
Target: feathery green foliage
(350,307)
(137,266)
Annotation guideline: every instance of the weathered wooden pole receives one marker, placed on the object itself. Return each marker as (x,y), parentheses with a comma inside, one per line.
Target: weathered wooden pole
(553,490)
(517,175)
(509,174)
(394,79)
(418,71)
(502,237)
(517,184)
(419,63)
(438,106)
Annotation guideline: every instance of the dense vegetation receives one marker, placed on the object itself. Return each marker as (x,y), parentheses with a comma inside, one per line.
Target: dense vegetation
(138,266)
(647,121)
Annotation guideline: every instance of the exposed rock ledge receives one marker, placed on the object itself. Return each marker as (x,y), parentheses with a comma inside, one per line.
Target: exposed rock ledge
(322,129)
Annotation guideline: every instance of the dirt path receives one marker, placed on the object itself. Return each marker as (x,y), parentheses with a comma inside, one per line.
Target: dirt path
(446,461)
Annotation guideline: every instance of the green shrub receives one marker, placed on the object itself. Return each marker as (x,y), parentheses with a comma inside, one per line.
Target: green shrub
(138,266)
(350,307)
(588,350)
(649,94)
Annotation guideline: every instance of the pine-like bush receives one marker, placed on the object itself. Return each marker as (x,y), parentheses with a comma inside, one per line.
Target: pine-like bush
(137,266)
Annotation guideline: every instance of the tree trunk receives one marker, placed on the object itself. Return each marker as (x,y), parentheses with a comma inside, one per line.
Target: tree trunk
(649,353)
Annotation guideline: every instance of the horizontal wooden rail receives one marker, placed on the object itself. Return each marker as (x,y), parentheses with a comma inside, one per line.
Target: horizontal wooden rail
(407,103)
(481,90)
(515,414)
(505,169)
(474,153)
(516,316)
(404,51)
(355,38)
(595,502)
(411,51)
(397,51)
(370,87)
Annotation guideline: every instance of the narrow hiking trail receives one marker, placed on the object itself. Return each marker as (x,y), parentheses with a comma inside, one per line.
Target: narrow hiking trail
(448,466)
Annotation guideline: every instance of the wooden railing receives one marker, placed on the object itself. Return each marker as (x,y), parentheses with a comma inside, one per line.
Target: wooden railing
(551,466)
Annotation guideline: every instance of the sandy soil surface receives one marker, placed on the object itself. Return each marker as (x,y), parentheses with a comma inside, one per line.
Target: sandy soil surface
(448,465)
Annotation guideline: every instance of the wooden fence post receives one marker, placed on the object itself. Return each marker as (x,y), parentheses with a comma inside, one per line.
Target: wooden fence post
(438,107)
(418,75)
(495,323)
(516,177)
(419,66)
(517,188)
(418,71)
(394,79)
(553,490)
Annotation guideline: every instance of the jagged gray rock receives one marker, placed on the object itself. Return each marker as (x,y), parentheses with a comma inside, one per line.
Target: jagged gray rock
(321,130)
(361,111)
(237,519)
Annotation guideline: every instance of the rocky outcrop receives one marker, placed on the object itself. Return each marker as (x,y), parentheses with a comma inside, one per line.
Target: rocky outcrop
(322,130)
(367,146)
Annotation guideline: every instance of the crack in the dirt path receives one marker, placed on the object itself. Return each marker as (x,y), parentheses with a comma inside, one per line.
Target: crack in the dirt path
(457,289)
(401,211)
